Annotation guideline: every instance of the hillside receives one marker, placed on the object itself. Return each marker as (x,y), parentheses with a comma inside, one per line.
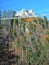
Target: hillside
(29,38)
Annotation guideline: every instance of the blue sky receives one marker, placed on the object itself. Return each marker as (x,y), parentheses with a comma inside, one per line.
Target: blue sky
(39,6)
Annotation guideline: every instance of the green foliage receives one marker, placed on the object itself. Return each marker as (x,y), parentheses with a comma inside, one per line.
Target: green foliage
(29,56)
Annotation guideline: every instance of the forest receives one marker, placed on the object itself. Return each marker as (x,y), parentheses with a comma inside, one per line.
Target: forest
(23,41)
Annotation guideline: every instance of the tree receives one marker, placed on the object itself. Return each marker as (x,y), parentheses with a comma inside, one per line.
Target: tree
(0,16)
(46,22)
